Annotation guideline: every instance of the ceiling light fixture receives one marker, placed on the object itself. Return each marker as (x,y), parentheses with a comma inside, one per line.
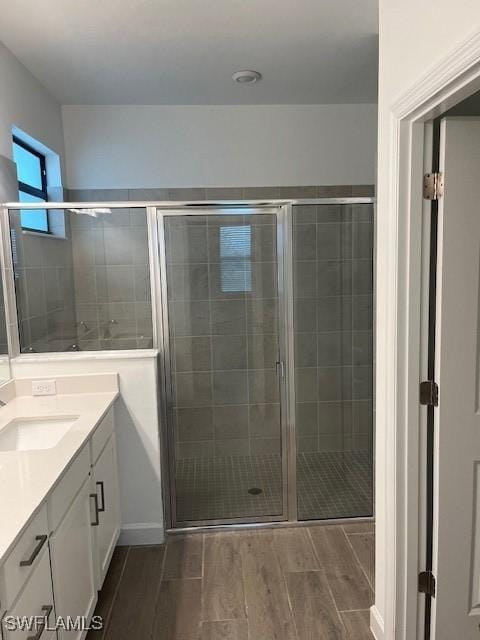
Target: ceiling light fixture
(247,76)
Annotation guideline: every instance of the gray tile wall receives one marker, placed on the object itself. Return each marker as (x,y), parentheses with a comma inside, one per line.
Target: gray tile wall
(108,305)
(224,343)
(221,193)
(112,280)
(44,287)
(333,320)
(87,291)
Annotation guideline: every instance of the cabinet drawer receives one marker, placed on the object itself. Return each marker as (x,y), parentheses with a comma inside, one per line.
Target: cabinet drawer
(25,556)
(35,600)
(101,435)
(66,490)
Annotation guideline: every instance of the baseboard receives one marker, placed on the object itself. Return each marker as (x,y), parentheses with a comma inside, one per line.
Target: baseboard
(141,533)
(376,624)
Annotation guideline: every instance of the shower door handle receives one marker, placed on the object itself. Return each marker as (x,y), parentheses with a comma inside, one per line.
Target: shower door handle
(280,368)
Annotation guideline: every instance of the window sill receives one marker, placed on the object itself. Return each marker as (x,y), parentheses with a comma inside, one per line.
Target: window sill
(39,234)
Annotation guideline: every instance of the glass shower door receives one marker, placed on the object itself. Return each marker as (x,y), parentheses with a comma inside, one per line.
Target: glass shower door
(333,338)
(223,339)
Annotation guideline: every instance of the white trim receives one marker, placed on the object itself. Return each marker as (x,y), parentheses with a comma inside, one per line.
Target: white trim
(141,533)
(133,354)
(457,68)
(399,349)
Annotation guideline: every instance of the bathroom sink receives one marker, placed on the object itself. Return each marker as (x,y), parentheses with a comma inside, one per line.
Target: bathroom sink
(32,434)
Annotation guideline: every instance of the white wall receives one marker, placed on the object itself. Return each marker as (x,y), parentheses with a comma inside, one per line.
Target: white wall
(25,103)
(136,424)
(219,146)
(414,36)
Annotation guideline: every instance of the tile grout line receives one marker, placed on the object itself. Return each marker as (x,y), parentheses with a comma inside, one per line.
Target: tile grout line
(115,593)
(164,561)
(271,545)
(327,582)
(286,589)
(202,591)
(242,568)
(159,586)
(202,595)
(294,622)
(357,559)
(359,533)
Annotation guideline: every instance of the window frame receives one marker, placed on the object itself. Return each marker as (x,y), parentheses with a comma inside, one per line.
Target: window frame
(34,191)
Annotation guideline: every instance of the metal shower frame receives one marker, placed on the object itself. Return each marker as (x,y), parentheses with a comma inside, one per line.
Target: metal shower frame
(156,211)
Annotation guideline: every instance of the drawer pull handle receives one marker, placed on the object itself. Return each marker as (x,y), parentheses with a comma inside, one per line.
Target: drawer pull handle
(102,493)
(96,522)
(47,609)
(35,552)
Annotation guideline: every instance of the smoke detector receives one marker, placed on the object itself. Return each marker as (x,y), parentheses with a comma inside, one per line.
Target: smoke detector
(247,76)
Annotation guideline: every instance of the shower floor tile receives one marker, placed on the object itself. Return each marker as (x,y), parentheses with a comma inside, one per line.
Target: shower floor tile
(218,488)
(335,485)
(330,485)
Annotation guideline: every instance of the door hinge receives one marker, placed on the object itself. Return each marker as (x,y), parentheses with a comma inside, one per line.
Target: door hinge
(429,393)
(433,186)
(426,583)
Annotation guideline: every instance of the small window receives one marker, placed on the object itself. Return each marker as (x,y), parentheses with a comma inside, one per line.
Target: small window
(235,257)
(32,185)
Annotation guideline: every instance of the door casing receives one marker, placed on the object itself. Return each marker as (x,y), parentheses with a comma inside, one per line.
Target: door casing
(402,302)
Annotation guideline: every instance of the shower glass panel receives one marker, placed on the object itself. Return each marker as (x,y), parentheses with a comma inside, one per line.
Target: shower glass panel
(84,285)
(333,329)
(225,424)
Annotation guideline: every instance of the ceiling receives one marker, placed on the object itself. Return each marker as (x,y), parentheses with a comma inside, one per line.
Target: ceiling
(184,51)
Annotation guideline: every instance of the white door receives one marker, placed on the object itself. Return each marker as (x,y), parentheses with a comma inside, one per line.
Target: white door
(71,552)
(106,485)
(456,561)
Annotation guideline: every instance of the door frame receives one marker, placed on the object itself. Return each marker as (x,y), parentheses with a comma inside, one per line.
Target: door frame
(402,310)
(163,340)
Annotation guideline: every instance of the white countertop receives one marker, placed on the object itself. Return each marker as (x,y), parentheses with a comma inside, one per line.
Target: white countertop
(27,477)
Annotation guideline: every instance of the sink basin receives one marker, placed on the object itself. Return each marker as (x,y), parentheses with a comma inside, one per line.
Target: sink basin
(32,434)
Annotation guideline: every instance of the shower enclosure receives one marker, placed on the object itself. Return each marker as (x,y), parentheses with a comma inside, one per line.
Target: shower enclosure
(262,314)
(267,322)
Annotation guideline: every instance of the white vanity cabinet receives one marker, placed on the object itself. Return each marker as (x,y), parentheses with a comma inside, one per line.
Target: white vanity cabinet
(59,562)
(81,546)
(106,533)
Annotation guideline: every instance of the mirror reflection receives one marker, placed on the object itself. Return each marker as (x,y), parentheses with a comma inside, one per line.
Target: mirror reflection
(84,283)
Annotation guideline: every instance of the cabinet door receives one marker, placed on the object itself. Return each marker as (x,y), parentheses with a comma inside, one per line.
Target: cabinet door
(71,550)
(106,485)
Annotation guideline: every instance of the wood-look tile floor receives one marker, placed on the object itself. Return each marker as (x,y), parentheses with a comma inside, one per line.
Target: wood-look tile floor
(304,583)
